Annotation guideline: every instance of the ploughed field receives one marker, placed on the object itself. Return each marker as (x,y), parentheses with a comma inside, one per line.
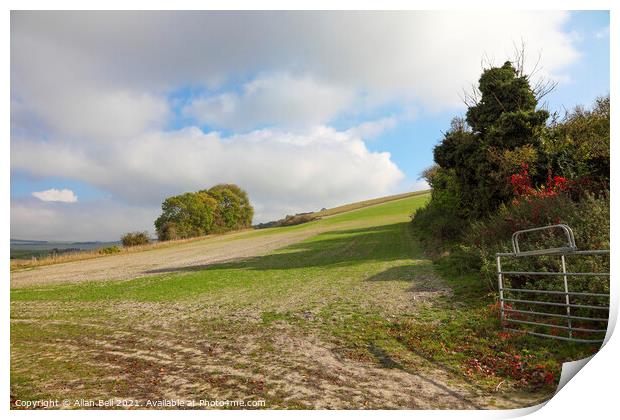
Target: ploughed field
(300,317)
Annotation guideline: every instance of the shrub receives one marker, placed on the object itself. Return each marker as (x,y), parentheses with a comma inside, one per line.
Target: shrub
(110,250)
(297,219)
(135,239)
(440,222)
(289,220)
(578,145)
(167,231)
(589,219)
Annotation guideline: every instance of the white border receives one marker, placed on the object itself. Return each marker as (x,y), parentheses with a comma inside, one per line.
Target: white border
(592,393)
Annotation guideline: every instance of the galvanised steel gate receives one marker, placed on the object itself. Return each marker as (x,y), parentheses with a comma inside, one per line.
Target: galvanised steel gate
(551,309)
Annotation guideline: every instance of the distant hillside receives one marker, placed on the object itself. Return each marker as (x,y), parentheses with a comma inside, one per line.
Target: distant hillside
(56,243)
(366,203)
(300,218)
(25,248)
(25,242)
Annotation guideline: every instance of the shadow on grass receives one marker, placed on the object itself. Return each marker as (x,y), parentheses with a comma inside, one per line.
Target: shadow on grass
(387,362)
(334,248)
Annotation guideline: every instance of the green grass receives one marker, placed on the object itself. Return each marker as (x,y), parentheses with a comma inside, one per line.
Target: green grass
(301,266)
(366,203)
(351,285)
(463,331)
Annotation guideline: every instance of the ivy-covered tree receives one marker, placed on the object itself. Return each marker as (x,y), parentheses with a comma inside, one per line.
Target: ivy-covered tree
(503,123)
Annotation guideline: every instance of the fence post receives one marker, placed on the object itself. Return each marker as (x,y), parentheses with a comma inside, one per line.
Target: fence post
(570,330)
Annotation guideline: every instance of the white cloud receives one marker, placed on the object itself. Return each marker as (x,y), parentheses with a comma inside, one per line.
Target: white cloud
(89,99)
(53,194)
(92,113)
(318,168)
(420,185)
(83,221)
(422,56)
(371,129)
(275,100)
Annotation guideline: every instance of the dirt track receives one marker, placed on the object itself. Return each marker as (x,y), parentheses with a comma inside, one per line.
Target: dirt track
(162,260)
(179,360)
(311,341)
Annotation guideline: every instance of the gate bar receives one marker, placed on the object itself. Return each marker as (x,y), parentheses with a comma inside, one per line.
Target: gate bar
(557,304)
(550,273)
(570,237)
(570,330)
(518,321)
(559,337)
(554,251)
(557,292)
(584,318)
(501,289)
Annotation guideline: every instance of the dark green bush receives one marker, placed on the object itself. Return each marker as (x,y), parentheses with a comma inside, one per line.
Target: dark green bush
(441,222)
(135,238)
(503,121)
(577,147)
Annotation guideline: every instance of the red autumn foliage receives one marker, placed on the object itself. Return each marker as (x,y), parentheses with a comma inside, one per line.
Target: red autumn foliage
(504,335)
(521,182)
(522,185)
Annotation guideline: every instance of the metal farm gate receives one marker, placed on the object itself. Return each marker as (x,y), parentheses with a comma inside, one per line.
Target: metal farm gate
(562,307)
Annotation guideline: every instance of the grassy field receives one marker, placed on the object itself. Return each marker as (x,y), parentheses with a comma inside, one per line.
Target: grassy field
(30,261)
(353,317)
(367,203)
(24,260)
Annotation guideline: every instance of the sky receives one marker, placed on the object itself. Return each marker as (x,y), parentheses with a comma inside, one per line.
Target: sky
(112,112)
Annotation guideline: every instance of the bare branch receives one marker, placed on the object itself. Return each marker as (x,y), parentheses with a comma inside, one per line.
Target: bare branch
(542,87)
(472,97)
